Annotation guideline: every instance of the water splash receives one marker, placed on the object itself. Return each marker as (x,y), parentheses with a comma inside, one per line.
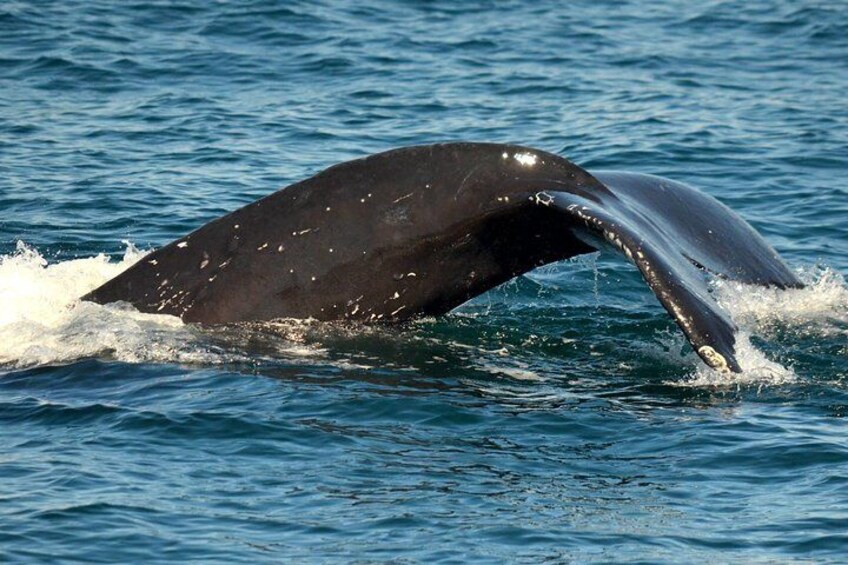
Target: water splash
(823,302)
(42,320)
(757,369)
(820,308)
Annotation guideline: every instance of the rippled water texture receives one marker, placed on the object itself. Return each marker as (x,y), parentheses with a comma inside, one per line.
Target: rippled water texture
(561,417)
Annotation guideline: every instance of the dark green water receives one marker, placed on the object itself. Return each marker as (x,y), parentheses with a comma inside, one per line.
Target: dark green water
(559,418)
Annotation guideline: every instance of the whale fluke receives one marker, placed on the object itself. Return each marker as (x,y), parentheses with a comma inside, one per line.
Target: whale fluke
(420,230)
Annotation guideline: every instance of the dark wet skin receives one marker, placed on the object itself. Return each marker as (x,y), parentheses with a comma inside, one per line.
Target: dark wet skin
(420,230)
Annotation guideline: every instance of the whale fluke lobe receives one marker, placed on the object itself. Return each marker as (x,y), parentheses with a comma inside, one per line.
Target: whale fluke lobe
(420,230)
(676,235)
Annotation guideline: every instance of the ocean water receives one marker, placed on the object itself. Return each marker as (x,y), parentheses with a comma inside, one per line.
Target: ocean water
(558,418)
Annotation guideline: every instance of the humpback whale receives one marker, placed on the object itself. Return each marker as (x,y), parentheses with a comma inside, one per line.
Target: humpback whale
(419,230)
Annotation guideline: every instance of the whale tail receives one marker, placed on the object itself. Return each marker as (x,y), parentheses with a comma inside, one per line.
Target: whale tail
(676,236)
(419,230)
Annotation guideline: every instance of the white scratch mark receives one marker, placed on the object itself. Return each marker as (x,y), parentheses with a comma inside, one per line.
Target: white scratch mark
(182,244)
(543,198)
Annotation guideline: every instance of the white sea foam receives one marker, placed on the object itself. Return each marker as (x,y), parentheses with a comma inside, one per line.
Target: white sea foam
(42,320)
(757,369)
(516,370)
(820,308)
(823,300)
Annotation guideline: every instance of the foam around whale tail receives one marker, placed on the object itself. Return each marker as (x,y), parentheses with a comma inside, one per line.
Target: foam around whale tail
(676,235)
(420,230)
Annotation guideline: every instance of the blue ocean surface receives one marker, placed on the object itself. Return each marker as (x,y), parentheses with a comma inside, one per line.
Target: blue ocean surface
(558,418)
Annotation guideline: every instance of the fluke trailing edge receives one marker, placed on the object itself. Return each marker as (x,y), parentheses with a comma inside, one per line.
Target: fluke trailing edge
(420,230)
